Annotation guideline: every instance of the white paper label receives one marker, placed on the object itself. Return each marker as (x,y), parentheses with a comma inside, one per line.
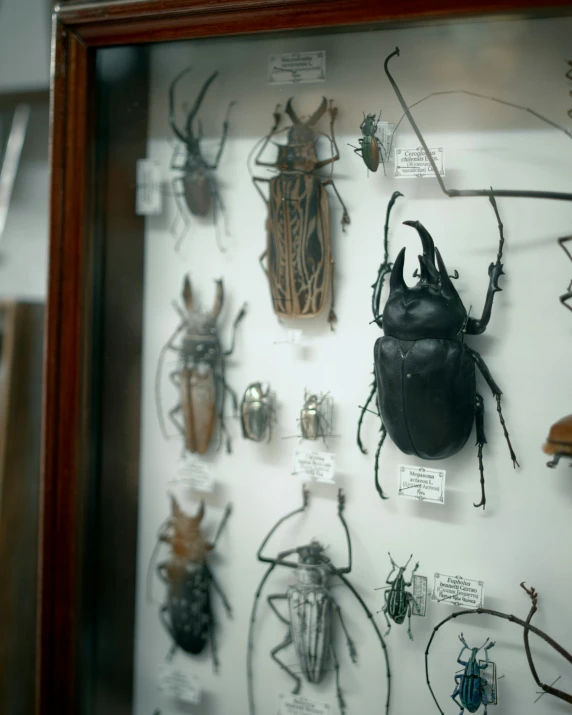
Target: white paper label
(413,163)
(179,685)
(419,591)
(315,466)
(384,133)
(149,199)
(299,705)
(422,484)
(490,675)
(295,336)
(458,591)
(193,468)
(295,67)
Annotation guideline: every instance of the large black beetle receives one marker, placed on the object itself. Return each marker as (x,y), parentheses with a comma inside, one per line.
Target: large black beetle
(424,372)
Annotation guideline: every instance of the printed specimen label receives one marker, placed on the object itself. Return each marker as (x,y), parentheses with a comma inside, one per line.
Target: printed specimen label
(422,483)
(197,471)
(413,163)
(315,466)
(179,685)
(297,67)
(458,591)
(298,705)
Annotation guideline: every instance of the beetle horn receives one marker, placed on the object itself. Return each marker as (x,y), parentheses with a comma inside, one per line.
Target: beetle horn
(427,260)
(187,294)
(290,112)
(219,299)
(200,514)
(447,286)
(396,280)
(318,113)
(175,508)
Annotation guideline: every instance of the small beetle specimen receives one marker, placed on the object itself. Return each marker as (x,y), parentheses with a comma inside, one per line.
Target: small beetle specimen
(311,609)
(300,265)
(257,412)
(528,628)
(196,185)
(370,148)
(470,686)
(316,416)
(200,375)
(398,601)
(559,441)
(187,614)
(564,298)
(424,372)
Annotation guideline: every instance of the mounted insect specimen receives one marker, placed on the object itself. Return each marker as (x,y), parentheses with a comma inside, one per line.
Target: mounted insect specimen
(371,148)
(470,685)
(316,416)
(398,601)
(187,613)
(257,412)
(196,183)
(200,375)
(424,372)
(528,628)
(311,609)
(300,267)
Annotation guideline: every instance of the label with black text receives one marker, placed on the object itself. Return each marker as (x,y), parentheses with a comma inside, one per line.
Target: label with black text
(419,591)
(194,469)
(422,484)
(413,163)
(297,67)
(179,685)
(299,705)
(458,591)
(315,466)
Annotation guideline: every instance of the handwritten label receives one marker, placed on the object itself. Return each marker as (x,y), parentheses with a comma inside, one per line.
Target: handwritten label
(315,466)
(490,675)
(299,705)
(419,590)
(149,199)
(413,163)
(197,471)
(422,483)
(458,591)
(179,685)
(297,67)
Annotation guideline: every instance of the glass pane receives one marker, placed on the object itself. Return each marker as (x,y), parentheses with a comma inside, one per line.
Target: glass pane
(235,358)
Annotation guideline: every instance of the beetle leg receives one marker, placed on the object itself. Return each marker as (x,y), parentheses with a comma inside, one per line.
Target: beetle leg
(409,609)
(222,524)
(181,213)
(285,643)
(345,214)
(351,644)
(362,414)
(214,648)
(167,626)
(223,137)
(341,701)
(332,318)
(383,434)
(278,597)
(179,425)
(495,389)
(239,317)
(218,589)
(384,611)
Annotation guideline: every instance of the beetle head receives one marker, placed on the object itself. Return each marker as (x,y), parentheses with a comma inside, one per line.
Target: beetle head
(431,308)
(200,342)
(369,125)
(311,554)
(300,151)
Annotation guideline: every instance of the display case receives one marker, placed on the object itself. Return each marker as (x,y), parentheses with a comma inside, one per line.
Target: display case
(304,346)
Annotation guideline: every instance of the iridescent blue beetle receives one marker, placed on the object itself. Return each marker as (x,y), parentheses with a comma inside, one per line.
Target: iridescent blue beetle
(470,686)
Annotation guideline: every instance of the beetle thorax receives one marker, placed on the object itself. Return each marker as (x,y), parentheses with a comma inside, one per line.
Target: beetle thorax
(298,155)
(200,342)
(312,575)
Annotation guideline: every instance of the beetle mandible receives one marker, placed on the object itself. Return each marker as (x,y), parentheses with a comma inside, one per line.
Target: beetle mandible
(470,686)
(300,267)
(197,184)
(424,372)
(311,607)
(398,601)
(370,148)
(187,614)
(257,412)
(200,376)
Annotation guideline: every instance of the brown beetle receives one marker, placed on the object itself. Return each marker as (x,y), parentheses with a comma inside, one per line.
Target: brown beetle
(559,441)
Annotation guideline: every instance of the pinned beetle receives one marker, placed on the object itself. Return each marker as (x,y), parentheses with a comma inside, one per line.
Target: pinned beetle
(370,147)
(200,376)
(187,614)
(424,372)
(300,266)
(470,685)
(196,184)
(257,412)
(398,601)
(316,416)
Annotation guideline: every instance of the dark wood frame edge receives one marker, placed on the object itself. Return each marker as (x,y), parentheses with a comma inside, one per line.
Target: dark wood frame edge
(77,31)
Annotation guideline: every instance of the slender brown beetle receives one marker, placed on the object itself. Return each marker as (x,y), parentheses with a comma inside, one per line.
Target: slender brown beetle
(300,267)
(187,614)
(200,374)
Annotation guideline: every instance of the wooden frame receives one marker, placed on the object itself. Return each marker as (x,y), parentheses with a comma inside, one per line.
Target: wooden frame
(83,259)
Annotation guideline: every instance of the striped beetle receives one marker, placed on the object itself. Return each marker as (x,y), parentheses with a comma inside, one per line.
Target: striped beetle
(398,601)
(311,607)
(470,686)
(300,264)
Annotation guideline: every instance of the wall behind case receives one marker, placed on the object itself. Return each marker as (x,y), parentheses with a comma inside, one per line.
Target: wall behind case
(524,531)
